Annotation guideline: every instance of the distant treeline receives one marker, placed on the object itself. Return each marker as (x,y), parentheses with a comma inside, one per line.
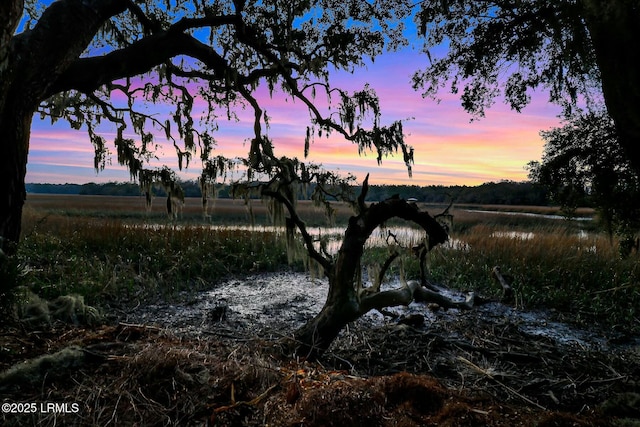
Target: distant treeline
(503,193)
(491,193)
(190,188)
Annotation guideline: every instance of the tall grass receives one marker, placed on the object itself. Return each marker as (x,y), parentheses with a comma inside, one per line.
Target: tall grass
(580,275)
(108,259)
(66,249)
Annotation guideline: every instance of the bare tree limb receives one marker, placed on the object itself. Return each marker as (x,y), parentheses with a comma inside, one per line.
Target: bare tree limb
(386,265)
(363,194)
(506,287)
(391,298)
(412,291)
(88,74)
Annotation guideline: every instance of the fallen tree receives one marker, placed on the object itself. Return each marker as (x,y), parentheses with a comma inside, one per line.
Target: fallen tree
(348,298)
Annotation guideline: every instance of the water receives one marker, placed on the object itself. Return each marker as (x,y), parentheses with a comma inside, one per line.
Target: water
(382,236)
(530,214)
(281,302)
(521,235)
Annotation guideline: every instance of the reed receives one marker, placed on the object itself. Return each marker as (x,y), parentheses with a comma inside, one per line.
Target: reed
(579,275)
(106,249)
(103,258)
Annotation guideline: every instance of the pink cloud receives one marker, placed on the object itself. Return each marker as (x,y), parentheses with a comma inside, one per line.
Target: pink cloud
(449,149)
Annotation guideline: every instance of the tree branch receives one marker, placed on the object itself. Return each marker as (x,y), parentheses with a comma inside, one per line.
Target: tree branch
(391,298)
(10,12)
(363,195)
(62,33)
(385,267)
(149,25)
(408,293)
(379,213)
(88,74)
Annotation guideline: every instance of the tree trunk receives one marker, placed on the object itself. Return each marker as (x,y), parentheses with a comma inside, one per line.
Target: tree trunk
(15,125)
(11,132)
(344,303)
(614,30)
(30,64)
(315,337)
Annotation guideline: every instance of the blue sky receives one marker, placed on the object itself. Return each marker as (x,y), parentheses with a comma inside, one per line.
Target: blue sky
(449,148)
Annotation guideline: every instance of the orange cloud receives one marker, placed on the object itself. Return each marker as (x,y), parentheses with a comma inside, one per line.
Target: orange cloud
(449,149)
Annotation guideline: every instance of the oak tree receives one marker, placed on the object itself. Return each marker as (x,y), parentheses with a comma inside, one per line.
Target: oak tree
(94,61)
(583,162)
(580,51)
(91,62)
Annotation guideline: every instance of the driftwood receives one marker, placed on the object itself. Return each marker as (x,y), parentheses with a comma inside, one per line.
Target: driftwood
(506,287)
(411,291)
(423,294)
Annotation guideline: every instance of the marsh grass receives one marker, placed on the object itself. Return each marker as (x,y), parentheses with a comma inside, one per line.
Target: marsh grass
(133,210)
(579,275)
(107,259)
(68,248)
(466,218)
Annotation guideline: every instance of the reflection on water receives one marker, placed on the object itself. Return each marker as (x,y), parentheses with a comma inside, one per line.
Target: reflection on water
(331,237)
(535,215)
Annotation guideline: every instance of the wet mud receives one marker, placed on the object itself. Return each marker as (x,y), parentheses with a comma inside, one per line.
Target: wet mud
(282,302)
(510,354)
(213,359)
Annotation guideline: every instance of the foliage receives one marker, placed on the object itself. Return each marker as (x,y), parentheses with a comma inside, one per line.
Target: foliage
(190,54)
(490,193)
(581,52)
(520,45)
(583,161)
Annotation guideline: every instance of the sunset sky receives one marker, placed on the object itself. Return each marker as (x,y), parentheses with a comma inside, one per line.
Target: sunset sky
(449,149)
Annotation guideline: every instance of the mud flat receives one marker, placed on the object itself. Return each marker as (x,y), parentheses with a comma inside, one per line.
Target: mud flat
(280,302)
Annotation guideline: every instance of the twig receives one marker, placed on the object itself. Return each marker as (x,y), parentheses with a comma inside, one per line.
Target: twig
(139,326)
(614,289)
(252,402)
(506,287)
(491,377)
(608,380)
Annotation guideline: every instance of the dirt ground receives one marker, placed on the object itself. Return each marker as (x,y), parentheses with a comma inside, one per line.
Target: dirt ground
(434,369)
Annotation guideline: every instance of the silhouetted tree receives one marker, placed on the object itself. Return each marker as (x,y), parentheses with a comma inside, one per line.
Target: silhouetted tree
(94,61)
(349,297)
(576,49)
(583,161)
